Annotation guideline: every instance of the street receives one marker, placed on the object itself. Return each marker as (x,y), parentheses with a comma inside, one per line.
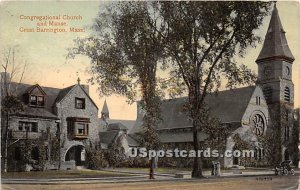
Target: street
(244,183)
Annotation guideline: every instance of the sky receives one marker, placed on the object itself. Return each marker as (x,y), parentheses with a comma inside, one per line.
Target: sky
(45,52)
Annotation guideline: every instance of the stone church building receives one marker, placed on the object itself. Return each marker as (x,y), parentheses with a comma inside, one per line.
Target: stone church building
(245,111)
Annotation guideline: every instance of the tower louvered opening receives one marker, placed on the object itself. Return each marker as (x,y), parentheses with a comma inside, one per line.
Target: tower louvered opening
(268,93)
(287,94)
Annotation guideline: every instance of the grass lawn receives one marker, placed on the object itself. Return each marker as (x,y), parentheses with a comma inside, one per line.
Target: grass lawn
(63,174)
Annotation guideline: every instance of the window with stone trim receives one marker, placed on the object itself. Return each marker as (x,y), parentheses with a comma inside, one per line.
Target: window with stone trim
(78,127)
(79,103)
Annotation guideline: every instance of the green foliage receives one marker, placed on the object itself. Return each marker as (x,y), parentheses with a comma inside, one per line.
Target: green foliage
(241,145)
(115,154)
(124,53)
(32,147)
(55,149)
(202,39)
(35,152)
(95,158)
(196,40)
(281,116)
(271,144)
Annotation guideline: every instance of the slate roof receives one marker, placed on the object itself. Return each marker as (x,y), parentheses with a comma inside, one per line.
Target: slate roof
(36,113)
(132,141)
(63,92)
(180,137)
(275,44)
(228,106)
(47,111)
(127,123)
(116,126)
(108,137)
(52,95)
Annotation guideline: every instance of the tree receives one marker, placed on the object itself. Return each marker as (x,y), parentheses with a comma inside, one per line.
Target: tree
(12,71)
(201,39)
(124,53)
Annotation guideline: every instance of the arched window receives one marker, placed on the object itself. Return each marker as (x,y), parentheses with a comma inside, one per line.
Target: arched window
(268,93)
(287,94)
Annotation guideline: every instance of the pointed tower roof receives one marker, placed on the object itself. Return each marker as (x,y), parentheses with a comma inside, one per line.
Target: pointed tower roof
(105,108)
(275,44)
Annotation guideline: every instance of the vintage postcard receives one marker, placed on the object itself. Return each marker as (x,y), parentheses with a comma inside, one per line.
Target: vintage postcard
(149,94)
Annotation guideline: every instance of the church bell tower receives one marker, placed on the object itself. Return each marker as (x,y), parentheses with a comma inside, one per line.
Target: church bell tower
(275,63)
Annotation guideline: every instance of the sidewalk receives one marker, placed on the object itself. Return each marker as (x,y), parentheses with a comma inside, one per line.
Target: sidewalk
(224,173)
(141,176)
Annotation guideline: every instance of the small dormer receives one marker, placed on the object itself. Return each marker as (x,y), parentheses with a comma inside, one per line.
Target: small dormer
(36,96)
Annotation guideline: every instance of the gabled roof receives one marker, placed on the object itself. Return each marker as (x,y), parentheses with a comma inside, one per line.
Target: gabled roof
(31,88)
(228,106)
(64,92)
(19,89)
(116,126)
(275,44)
(53,95)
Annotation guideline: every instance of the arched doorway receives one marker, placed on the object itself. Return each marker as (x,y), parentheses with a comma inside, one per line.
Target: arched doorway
(236,160)
(76,153)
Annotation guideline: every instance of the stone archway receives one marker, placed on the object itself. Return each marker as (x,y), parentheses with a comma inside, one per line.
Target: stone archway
(76,153)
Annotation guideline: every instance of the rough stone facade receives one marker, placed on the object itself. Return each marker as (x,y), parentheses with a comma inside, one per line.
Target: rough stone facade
(68,115)
(66,108)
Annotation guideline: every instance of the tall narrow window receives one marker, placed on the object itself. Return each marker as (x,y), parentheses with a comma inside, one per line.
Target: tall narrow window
(33,100)
(286,132)
(287,94)
(257,100)
(40,101)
